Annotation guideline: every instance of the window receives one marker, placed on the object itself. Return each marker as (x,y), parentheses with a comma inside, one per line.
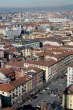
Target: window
(19,94)
(70,105)
(2,92)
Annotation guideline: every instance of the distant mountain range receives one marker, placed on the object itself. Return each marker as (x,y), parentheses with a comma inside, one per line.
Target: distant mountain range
(49,8)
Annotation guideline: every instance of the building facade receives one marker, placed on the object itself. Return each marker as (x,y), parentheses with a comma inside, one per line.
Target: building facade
(67,99)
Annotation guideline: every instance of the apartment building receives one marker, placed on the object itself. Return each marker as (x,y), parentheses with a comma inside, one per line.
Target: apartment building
(26,51)
(18,42)
(18,66)
(14,92)
(37,76)
(44,65)
(52,67)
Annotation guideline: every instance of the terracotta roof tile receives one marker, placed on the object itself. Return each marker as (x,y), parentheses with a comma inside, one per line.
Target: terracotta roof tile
(21,80)
(16,64)
(41,62)
(6,87)
(10,72)
(14,84)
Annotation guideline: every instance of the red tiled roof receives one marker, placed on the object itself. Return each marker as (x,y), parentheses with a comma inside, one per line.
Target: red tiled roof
(41,62)
(16,64)
(14,84)
(8,108)
(10,72)
(6,87)
(50,53)
(21,81)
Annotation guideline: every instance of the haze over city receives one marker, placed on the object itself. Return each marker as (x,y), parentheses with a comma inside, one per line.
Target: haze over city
(34,3)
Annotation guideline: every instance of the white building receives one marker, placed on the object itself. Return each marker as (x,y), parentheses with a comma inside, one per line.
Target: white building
(57,20)
(70,75)
(13,32)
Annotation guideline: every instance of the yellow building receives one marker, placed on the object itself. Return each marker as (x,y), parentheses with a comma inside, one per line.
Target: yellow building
(67,99)
(29,86)
(27,52)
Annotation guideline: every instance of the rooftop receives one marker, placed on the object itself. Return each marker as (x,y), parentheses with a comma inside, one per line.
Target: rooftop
(41,62)
(14,84)
(15,64)
(70,65)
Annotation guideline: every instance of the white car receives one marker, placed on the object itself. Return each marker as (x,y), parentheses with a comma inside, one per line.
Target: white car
(47,88)
(38,106)
(43,90)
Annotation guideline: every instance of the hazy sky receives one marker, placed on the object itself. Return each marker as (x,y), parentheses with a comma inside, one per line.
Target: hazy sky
(33,3)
